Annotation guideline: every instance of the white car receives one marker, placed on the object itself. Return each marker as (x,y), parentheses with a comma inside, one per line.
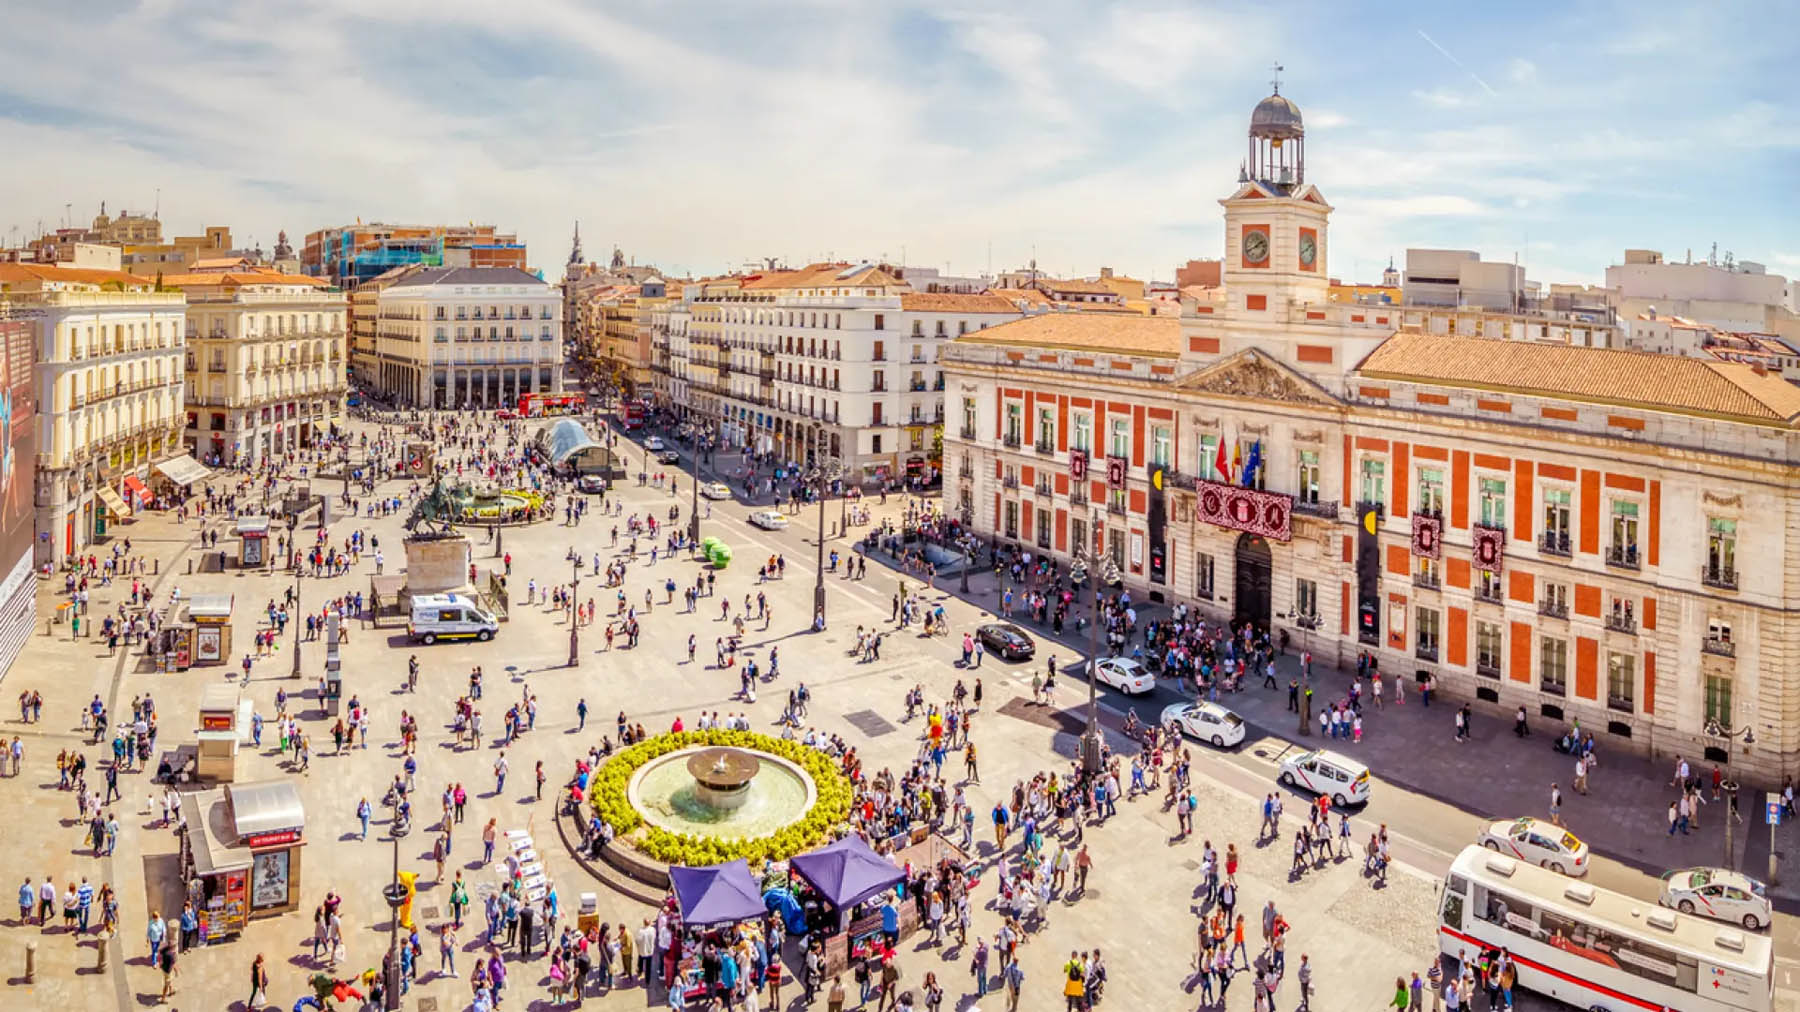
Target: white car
(1125,674)
(1209,722)
(769,520)
(1717,893)
(1327,774)
(1539,842)
(715,490)
(653,443)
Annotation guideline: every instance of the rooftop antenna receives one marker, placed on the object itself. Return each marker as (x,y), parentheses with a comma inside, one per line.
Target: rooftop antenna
(1276,83)
(68,215)
(157,213)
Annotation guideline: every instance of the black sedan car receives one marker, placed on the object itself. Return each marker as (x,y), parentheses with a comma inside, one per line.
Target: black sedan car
(1006,641)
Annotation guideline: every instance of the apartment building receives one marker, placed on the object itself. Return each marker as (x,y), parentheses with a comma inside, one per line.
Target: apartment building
(265,364)
(108,387)
(349,255)
(452,336)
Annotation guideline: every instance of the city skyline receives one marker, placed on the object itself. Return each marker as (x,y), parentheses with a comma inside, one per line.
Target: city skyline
(1100,138)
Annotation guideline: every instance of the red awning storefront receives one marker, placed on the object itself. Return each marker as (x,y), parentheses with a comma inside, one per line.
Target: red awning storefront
(134,487)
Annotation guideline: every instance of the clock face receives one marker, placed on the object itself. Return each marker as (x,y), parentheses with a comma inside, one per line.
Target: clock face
(1309,250)
(1256,246)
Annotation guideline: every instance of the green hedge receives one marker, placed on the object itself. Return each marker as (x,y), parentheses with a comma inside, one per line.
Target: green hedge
(831,808)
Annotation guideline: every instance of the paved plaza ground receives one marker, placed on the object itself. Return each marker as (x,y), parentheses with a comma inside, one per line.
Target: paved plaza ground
(1139,909)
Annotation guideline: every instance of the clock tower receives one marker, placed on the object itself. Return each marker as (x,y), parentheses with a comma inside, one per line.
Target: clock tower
(1275,222)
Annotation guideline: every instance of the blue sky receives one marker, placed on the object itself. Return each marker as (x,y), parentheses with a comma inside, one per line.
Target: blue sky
(700,135)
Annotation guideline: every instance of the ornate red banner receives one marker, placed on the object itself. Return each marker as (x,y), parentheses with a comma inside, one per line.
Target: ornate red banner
(1427,536)
(1269,514)
(1490,548)
(1078,465)
(1115,472)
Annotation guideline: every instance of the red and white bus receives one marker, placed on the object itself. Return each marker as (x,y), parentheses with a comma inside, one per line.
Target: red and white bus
(631,416)
(1597,949)
(536,405)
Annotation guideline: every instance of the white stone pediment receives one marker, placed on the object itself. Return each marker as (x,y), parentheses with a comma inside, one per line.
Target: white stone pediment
(1252,374)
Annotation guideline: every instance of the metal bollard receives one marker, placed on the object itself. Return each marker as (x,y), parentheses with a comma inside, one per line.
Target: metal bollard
(190,569)
(30,962)
(105,953)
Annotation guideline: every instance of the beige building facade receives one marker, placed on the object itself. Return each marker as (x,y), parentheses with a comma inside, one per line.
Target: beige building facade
(265,362)
(454,336)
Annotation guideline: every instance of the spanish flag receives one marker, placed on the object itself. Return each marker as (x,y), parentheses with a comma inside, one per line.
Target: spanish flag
(1237,460)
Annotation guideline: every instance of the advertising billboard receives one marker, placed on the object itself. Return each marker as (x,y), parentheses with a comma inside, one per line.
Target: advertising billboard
(18,455)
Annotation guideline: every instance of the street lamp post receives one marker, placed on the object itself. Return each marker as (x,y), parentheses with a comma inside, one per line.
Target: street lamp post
(295,673)
(575,612)
(1090,739)
(826,472)
(968,561)
(395,894)
(1731,788)
(1306,624)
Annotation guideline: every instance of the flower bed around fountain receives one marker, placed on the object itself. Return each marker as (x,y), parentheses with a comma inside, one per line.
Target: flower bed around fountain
(610,792)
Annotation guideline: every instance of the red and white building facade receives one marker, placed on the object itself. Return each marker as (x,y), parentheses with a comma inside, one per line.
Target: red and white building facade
(1590,533)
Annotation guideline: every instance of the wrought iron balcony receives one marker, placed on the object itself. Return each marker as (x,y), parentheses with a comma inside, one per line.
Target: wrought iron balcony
(1554,543)
(1553,609)
(1621,622)
(1429,581)
(1010,440)
(1487,669)
(1426,651)
(1009,481)
(1328,510)
(1718,648)
(1722,577)
(967,432)
(1045,447)
(1622,556)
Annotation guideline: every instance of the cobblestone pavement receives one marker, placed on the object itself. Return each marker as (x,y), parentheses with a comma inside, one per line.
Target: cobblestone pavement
(1140,907)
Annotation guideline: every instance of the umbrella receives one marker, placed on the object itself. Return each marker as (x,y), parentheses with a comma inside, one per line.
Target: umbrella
(847,872)
(719,894)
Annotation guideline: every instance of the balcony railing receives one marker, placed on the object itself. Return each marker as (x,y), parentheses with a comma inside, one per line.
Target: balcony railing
(967,432)
(1041,487)
(1489,595)
(1487,669)
(1115,507)
(1045,447)
(917,387)
(1553,609)
(1426,651)
(1009,481)
(1328,510)
(1621,622)
(1077,497)
(1429,581)
(1554,543)
(1010,440)
(1718,648)
(1722,577)
(1622,556)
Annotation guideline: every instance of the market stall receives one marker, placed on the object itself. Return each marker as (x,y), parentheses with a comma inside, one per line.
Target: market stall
(209,615)
(847,879)
(178,473)
(240,854)
(712,897)
(224,713)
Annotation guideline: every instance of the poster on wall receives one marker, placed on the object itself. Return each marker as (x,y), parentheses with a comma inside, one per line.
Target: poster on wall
(253,551)
(209,643)
(269,880)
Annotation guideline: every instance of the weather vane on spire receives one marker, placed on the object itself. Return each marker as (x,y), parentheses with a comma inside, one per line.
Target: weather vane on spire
(1277,81)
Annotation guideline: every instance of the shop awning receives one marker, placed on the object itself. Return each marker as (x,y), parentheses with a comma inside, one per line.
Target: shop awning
(207,832)
(114,505)
(135,485)
(183,470)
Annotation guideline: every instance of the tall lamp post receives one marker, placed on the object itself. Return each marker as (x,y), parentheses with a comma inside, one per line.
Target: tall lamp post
(1307,624)
(1731,787)
(293,537)
(1108,575)
(395,894)
(575,612)
(827,471)
(694,506)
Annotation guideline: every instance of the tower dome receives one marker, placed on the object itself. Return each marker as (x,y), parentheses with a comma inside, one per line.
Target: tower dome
(1277,144)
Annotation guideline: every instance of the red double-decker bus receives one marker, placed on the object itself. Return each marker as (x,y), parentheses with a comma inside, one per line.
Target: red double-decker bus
(535,405)
(631,415)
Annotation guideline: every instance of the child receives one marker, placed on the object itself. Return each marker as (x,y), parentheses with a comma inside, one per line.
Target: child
(1356,726)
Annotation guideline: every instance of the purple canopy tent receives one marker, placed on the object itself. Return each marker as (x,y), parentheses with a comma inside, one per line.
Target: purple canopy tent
(846,872)
(720,894)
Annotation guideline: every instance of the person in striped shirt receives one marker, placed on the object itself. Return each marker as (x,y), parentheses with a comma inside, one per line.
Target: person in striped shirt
(84,901)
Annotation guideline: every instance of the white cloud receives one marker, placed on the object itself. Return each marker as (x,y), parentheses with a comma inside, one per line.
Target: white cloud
(1441,98)
(1521,71)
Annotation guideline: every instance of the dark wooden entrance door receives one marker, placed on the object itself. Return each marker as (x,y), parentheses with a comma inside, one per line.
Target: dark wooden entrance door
(1255,570)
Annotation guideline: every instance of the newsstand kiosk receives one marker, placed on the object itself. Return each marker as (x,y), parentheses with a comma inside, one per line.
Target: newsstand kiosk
(240,856)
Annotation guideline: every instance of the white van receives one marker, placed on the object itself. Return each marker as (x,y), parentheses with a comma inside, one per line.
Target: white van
(450,616)
(1328,774)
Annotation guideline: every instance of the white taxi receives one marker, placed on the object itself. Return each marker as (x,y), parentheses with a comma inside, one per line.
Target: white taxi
(769,520)
(1719,894)
(1209,722)
(715,490)
(1541,843)
(1125,674)
(1327,774)
(653,443)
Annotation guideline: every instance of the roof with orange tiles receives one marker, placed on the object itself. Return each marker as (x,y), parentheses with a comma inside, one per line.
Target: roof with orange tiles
(25,273)
(1634,379)
(230,279)
(1076,286)
(1131,334)
(822,275)
(955,302)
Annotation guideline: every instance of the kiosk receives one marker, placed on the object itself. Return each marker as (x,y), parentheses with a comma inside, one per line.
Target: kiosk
(210,616)
(240,854)
(219,736)
(253,541)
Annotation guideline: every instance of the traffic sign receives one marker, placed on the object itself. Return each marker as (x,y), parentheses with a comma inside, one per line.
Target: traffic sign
(1774,813)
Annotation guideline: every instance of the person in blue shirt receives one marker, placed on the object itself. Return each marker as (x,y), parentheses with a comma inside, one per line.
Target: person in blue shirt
(27,899)
(890,922)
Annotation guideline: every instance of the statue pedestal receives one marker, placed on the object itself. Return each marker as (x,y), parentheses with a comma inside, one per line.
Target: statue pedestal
(438,564)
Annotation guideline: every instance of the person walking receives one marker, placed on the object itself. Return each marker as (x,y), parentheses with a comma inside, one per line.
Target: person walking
(1556,799)
(259,982)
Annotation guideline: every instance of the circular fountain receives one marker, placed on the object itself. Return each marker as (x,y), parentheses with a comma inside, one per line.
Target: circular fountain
(721,791)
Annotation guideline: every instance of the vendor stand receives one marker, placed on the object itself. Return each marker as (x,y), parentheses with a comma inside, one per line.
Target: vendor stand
(240,853)
(210,617)
(253,541)
(845,877)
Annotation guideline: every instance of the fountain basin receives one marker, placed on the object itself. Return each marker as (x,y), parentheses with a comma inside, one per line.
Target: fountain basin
(721,793)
